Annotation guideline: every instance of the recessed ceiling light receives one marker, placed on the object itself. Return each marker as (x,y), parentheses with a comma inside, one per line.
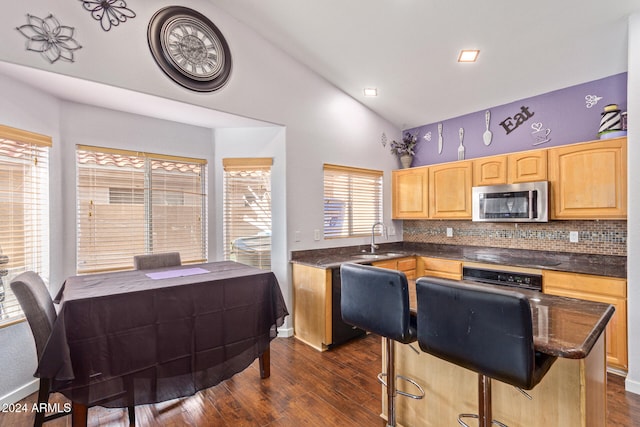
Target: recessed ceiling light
(468,55)
(370,91)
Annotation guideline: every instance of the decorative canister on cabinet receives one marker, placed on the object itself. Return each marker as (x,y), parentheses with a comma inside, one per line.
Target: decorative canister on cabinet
(611,123)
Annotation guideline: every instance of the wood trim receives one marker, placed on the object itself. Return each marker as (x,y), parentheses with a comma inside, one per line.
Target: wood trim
(239,163)
(351,169)
(19,135)
(154,156)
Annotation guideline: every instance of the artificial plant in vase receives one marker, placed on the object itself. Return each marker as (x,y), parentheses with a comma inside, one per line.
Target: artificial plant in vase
(404,149)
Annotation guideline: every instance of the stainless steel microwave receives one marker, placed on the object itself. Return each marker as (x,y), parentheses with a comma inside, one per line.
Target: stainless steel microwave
(526,202)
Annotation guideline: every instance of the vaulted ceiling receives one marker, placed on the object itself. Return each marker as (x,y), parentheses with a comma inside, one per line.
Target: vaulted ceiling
(408,49)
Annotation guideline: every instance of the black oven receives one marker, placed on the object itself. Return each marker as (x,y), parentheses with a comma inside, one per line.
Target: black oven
(514,279)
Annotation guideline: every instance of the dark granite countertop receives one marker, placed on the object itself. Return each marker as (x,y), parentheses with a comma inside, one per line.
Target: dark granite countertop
(562,327)
(599,265)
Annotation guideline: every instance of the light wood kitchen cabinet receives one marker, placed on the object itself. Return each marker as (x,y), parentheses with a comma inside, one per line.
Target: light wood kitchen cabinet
(589,180)
(450,190)
(312,305)
(490,171)
(526,166)
(608,290)
(407,265)
(439,267)
(410,193)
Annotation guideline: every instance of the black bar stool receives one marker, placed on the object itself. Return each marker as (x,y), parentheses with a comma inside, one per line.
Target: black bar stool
(377,300)
(484,329)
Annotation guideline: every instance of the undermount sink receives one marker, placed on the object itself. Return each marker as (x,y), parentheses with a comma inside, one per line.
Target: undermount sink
(379,255)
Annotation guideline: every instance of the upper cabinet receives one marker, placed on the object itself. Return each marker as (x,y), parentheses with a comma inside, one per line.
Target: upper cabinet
(450,190)
(490,171)
(589,180)
(410,193)
(527,166)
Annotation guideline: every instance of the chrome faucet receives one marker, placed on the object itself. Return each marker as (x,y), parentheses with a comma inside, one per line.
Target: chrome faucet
(373,234)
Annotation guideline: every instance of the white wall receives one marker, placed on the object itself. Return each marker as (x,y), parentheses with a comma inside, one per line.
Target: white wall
(633,223)
(24,108)
(87,125)
(319,124)
(259,142)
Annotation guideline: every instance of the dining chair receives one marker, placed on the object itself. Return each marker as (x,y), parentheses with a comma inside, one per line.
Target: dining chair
(483,329)
(151,261)
(37,305)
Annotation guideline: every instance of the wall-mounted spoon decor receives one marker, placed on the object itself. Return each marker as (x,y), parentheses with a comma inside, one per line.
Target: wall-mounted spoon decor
(487,135)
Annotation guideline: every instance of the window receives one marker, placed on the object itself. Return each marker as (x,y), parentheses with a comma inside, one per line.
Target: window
(352,201)
(132,203)
(24,212)
(247,211)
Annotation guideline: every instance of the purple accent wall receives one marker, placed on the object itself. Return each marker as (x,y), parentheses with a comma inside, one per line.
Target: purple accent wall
(563,111)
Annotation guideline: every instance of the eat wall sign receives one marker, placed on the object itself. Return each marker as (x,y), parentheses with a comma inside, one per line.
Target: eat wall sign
(512,123)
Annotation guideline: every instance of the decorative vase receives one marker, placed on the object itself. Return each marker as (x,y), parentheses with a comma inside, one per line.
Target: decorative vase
(406,160)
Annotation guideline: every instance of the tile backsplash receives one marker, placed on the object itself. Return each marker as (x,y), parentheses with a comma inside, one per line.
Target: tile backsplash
(594,237)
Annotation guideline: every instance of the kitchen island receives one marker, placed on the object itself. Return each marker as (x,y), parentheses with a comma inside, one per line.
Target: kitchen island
(573,393)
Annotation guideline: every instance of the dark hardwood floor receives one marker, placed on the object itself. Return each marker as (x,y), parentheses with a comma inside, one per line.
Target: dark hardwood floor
(306,388)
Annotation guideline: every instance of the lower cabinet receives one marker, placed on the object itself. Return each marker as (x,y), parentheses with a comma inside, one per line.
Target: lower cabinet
(573,392)
(316,308)
(406,265)
(439,267)
(608,290)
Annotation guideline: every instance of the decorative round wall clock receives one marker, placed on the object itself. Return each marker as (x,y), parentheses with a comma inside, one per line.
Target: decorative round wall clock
(189,48)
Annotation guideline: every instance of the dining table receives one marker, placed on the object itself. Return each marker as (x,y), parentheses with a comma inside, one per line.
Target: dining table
(146,336)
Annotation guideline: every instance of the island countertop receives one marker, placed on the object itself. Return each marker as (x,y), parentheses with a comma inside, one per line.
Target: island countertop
(599,265)
(562,327)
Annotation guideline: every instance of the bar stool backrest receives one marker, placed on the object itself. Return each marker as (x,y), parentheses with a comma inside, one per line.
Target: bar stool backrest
(377,300)
(487,330)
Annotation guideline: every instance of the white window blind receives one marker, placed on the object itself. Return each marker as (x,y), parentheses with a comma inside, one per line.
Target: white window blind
(132,203)
(352,201)
(247,211)
(24,212)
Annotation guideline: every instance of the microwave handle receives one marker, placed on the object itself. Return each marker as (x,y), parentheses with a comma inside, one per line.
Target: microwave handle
(531,196)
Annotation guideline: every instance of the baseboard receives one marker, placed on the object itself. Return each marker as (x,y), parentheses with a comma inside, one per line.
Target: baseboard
(285,332)
(20,393)
(632,386)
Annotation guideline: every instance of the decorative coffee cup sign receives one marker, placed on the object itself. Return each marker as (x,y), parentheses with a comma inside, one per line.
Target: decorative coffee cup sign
(540,133)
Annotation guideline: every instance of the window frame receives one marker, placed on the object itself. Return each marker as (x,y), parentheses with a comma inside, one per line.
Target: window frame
(356,185)
(21,148)
(150,166)
(255,243)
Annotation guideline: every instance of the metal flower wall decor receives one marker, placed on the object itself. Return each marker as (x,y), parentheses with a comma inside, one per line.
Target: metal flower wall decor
(110,13)
(49,38)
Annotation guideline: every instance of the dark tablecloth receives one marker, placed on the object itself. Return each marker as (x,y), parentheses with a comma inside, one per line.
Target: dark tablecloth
(124,339)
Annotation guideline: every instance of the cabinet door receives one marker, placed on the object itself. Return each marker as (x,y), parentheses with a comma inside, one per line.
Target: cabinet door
(406,265)
(589,181)
(450,190)
(601,289)
(528,166)
(409,193)
(312,305)
(438,267)
(390,264)
(490,171)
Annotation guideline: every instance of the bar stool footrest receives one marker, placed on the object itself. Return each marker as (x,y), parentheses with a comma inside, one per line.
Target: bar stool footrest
(382,375)
(475,416)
